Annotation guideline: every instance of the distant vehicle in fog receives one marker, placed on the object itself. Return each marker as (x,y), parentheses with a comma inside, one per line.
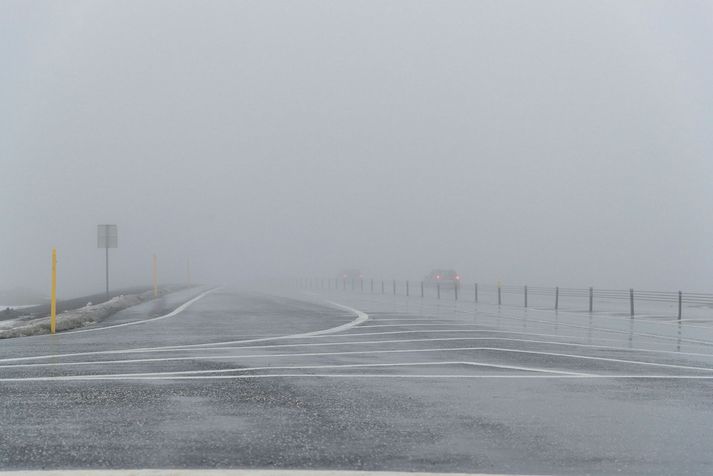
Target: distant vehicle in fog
(446,278)
(350,276)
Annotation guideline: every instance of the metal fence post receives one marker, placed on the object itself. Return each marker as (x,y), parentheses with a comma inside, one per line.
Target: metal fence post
(475,288)
(438,290)
(680,301)
(631,301)
(526,295)
(591,299)
(557,298)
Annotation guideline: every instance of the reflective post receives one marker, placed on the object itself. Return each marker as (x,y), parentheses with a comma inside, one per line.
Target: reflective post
(631,301)
(500,297)
(680,301)
(154,275)
(53,304)
(475,288)
(591,299)
(455,291)
(526,295)
(557,298)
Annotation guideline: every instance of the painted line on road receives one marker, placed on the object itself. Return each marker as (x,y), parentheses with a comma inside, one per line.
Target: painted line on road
(272,368)
(360,318)
(523,317)
(219,357)
(200,348)
(175,312)
(386,376)
(227,472)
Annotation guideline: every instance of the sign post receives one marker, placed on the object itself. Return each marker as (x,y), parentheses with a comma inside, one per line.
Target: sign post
(107,237)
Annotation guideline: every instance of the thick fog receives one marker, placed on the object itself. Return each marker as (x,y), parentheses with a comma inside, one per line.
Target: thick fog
(544,143)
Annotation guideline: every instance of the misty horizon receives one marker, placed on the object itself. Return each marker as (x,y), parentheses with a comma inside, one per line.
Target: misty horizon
(542,143)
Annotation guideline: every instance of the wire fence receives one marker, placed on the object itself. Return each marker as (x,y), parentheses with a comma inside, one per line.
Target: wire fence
(626,301)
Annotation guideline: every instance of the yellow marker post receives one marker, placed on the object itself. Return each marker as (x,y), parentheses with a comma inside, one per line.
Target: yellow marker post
(154,269)
(53,305)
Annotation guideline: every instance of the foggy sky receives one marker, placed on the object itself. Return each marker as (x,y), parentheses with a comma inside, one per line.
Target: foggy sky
(540,142)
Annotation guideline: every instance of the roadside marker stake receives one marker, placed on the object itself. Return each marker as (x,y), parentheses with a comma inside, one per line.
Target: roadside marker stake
(53,305)
(154,273)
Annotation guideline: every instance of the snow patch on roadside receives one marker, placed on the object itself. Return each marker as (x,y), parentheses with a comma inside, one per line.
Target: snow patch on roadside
(84,316)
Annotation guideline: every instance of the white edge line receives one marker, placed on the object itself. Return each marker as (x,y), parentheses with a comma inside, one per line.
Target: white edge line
(176,311)
(361,317)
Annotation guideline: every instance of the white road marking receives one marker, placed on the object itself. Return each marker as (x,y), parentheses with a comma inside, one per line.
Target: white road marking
(225,472)
(674,339)
(400,376)
(272,368)
(499,314)
(371,352)
(213,346)
(360,317)
(175,312)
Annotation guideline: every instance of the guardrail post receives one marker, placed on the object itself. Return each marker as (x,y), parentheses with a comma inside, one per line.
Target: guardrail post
(557,297)
(631,301)
(591,299)
(475,288)
(438,290)
(526,295)
(680,302)
(407,287)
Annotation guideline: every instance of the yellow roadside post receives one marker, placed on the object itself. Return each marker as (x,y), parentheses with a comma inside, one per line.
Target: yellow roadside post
(53,305)
(155,276)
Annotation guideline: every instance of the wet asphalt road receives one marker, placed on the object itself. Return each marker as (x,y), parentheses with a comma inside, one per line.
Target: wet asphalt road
(247,380)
